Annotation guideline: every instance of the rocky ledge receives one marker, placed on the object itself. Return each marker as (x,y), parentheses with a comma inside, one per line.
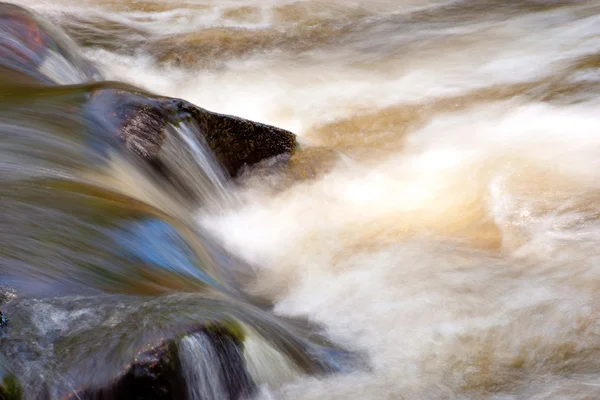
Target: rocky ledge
(204,363)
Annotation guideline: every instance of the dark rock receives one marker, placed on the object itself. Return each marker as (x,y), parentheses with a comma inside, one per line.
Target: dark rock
(238,142)
(143,131)
(154,374)
(132,119)
(159,374)
(140,121)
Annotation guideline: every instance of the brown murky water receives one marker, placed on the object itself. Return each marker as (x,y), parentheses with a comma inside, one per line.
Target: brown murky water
(444,215)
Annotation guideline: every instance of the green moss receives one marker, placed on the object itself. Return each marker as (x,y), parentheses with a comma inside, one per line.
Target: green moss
(11,388)
(228,327)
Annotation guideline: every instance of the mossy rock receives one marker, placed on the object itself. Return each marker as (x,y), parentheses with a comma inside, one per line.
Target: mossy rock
(157,373)
(230,328)
(11,389)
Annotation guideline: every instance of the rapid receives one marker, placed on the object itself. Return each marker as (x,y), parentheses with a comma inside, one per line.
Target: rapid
(440,221)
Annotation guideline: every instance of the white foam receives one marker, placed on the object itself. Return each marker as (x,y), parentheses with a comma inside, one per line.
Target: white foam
(413,298)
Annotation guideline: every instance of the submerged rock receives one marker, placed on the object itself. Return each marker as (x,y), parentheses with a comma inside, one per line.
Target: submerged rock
(178,346)
(206,364)
(214,366)
(143,131)
(154,374)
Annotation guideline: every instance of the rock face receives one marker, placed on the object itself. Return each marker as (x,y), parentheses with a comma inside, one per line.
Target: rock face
(172,370)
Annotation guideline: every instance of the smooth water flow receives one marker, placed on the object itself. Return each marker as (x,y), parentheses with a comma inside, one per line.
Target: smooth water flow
(201,365)
(454,244)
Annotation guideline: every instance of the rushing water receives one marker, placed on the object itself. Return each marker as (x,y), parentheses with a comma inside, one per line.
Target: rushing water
(442,217)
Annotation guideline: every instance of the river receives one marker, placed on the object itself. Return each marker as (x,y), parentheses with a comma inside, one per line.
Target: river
(441,218)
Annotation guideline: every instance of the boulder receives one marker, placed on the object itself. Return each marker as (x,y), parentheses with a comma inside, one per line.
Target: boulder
(141,122)
(238,142)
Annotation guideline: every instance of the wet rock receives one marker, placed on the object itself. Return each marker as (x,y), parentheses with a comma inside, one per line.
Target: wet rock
(228,367)
(143,131)
(170,370)
(238,142)
(141,122)
(3,324)
(154,374)
(132,119)
(10,388)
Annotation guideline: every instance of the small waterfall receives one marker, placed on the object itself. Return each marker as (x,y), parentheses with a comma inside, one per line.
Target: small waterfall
(200,364)
(213,368)
(195,168)
(60,70)
(101,251)
(439,215)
